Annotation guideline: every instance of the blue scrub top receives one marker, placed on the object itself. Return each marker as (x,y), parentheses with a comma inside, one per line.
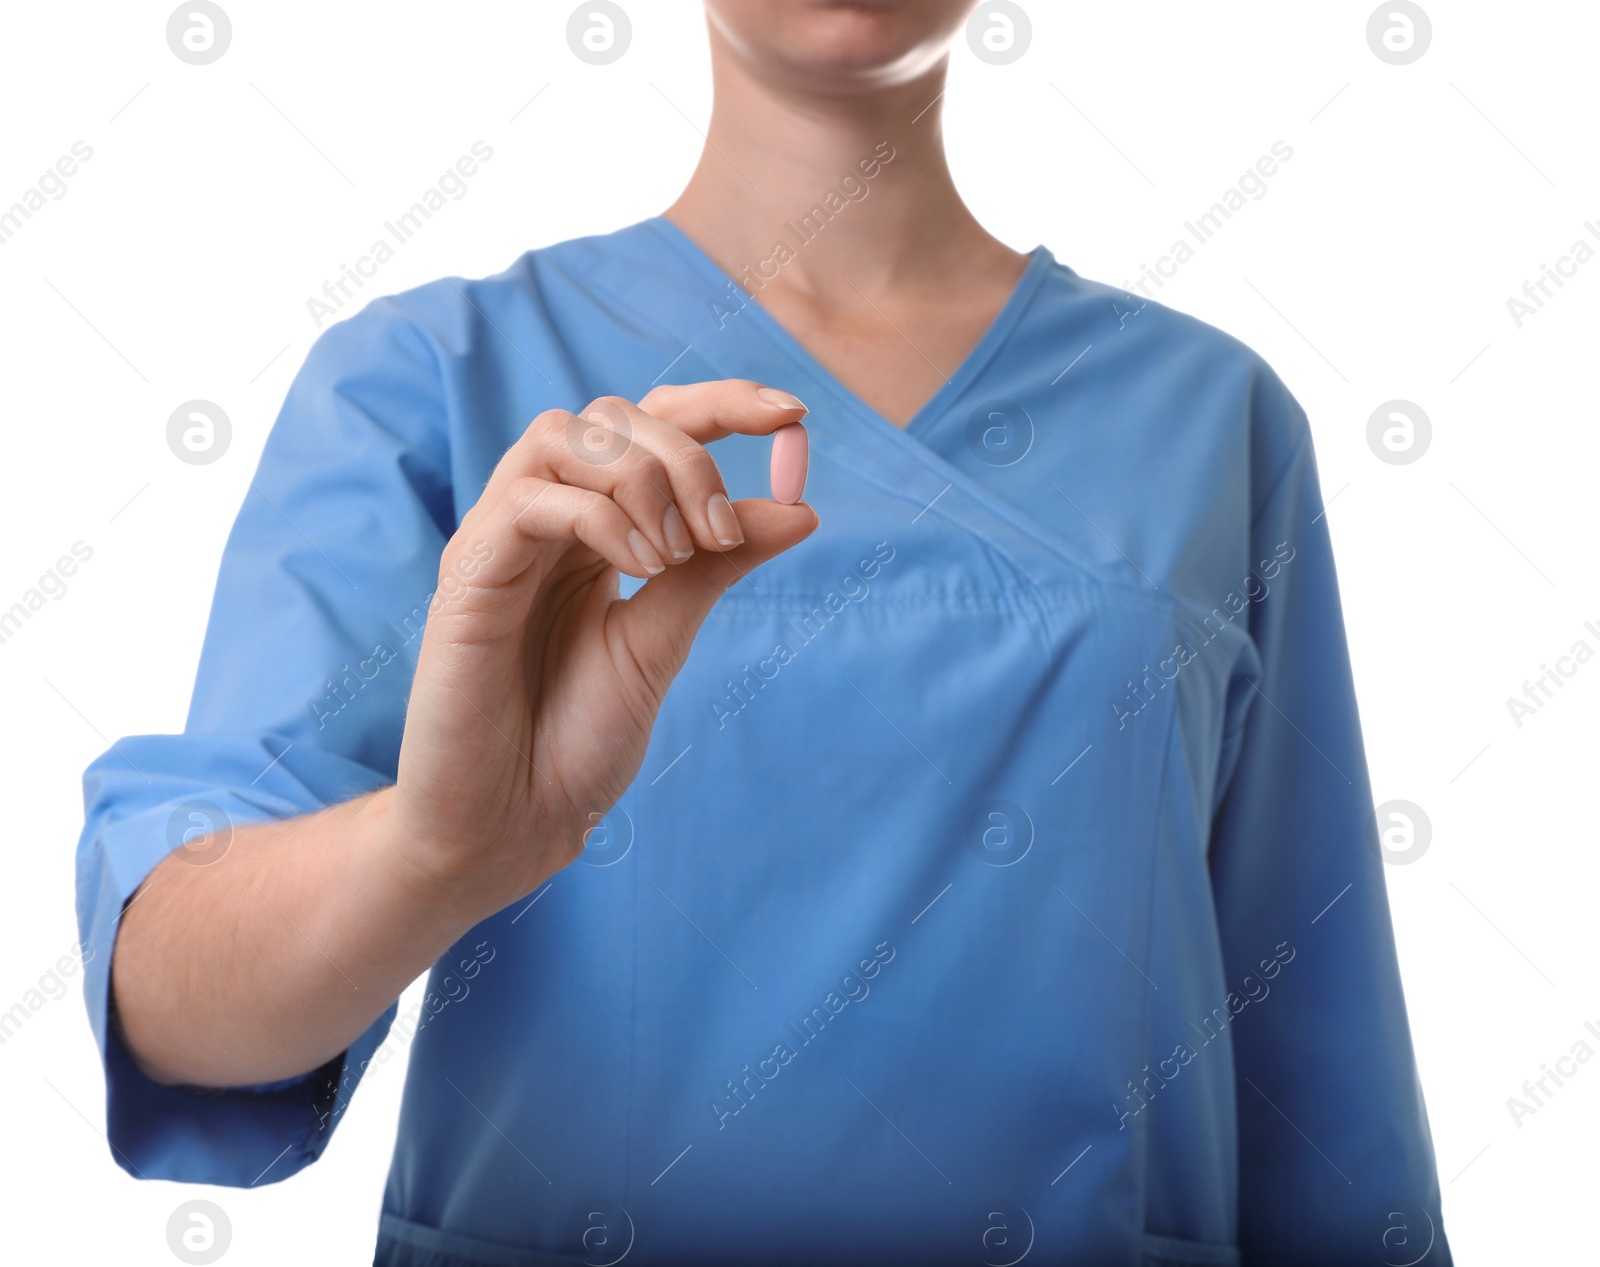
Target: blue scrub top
(1001,880)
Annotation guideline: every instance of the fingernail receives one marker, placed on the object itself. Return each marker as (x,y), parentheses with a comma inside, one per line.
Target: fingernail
(645,552)
(677,534)
(781,399)
(724,523)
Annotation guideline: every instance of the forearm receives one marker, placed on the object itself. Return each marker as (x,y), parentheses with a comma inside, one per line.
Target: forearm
(271,960)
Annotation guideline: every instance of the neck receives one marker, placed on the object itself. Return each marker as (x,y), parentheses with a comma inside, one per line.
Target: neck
(855,187)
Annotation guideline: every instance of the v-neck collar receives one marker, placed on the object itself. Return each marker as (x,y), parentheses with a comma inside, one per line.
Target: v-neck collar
(847,433)
(993,339)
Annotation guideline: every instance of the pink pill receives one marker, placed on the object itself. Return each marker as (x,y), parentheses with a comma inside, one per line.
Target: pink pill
(790,454)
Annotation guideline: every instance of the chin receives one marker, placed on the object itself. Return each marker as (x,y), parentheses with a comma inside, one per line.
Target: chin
(839,44)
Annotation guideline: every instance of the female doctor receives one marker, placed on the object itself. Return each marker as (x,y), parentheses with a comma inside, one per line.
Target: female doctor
(972,861)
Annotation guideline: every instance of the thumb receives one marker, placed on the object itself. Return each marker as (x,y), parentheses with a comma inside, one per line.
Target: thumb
(659,623)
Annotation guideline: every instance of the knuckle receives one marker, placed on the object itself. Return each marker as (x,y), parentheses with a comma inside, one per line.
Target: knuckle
(522,494)
(696,466)
(599,443)
(591,518)
(644,472)
(613,408)
(658,395)
(550,422)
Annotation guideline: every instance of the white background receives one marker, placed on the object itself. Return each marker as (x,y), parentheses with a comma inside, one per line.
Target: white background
(1378,266)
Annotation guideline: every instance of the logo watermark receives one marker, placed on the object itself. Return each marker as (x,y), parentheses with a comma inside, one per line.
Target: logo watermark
(609,838)
(198,432)
(1005,1233)
(199,1232)
(608,1234)
(1399,32)
(1399,432)
(1408,1236)
(1403,832)
(1000,833)
(999,32)
(599,32)
(199,832)
(1000,433)
(199,32)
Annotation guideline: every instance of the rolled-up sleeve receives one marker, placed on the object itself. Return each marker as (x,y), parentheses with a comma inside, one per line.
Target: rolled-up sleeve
(299,703)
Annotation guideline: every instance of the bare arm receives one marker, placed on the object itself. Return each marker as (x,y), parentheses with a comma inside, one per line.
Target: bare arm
(535,692)
(273,959)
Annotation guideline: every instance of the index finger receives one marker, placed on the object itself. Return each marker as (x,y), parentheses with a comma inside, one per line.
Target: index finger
(723,407)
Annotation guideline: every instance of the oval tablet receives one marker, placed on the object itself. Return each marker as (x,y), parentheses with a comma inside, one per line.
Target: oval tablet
(790,456)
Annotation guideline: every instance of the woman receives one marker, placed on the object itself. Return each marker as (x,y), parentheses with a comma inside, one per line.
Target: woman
(978,865)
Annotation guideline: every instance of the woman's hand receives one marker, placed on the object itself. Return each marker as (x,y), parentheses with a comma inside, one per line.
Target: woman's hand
(529,715)
(536,686)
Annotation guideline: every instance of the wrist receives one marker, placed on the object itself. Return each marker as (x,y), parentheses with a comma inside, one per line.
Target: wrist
(426,898)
